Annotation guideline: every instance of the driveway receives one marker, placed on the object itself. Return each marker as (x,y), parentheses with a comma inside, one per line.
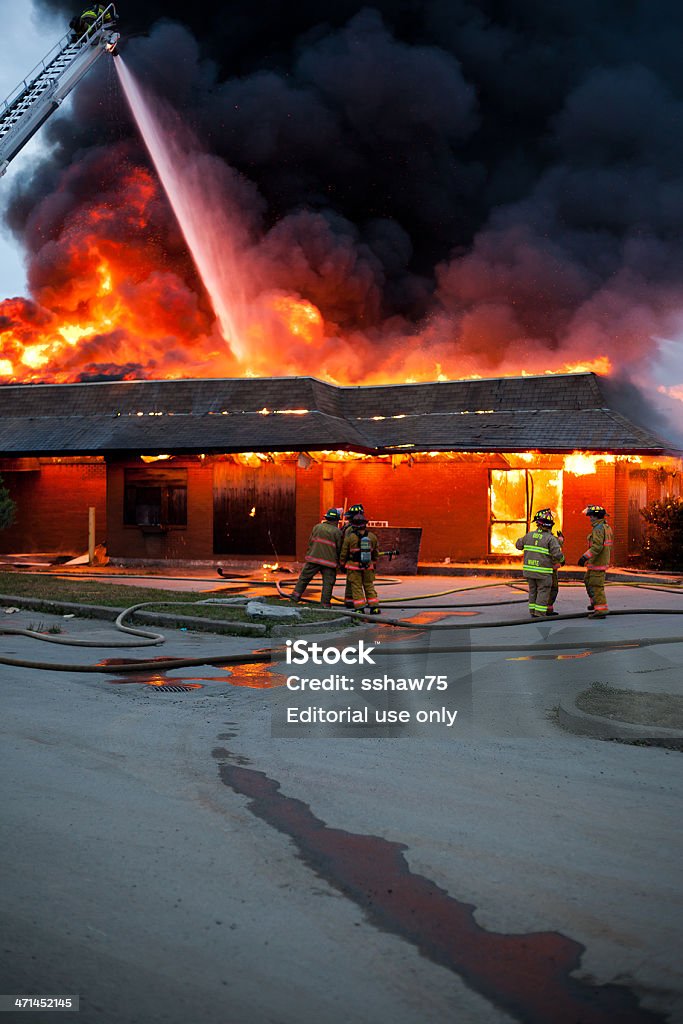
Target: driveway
(175,855)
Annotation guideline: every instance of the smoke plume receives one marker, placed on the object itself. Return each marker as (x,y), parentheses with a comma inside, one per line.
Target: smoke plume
(496,187)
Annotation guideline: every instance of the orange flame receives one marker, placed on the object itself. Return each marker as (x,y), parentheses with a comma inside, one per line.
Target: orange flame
(115,296)
(585,463)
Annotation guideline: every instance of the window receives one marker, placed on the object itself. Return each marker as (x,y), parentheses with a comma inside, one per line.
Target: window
(515,495)
(155,498)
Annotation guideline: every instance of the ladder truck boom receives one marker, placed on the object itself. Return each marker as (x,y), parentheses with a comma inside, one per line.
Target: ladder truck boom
(42,91)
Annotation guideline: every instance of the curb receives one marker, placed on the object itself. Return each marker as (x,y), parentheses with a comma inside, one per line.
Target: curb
(309,627)
(169,620)
(601,728)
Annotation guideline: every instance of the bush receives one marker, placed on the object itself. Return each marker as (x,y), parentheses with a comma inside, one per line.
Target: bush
(663,544)
(8,508)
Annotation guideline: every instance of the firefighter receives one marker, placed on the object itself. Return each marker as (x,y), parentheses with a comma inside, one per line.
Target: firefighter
(555,587)
(350,514)
(597,558)
(359,553)
(542,552)
(322,556)
(87,18)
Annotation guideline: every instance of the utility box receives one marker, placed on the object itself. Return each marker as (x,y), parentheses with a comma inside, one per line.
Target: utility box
(407,541)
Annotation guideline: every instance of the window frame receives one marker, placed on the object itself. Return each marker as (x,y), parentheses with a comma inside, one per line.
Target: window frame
(529,502)
(172,502)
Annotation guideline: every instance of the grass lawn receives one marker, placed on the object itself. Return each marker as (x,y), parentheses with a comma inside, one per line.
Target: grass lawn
(639,707)
(45,587)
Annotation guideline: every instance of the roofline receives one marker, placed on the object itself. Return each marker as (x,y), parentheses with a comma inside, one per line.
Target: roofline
(346,447)
(467,380)
(300,377)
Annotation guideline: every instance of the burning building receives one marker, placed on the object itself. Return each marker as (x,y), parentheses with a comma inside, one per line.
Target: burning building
(349,198)
(207,469)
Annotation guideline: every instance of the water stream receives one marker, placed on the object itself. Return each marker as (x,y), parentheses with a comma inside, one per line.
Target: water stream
(201,189)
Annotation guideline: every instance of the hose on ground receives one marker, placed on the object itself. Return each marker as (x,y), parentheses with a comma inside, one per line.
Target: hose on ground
(431,626)
(147,638)
(261,657)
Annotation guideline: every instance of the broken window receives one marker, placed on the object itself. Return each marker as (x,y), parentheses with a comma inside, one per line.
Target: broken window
(155,497)
(515,495)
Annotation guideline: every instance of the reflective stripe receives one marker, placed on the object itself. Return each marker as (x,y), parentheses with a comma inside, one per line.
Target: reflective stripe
(538,568)
(536,547)
(322,561)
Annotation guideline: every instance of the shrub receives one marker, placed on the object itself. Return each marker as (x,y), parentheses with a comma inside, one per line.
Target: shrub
(663,544)
(8,508)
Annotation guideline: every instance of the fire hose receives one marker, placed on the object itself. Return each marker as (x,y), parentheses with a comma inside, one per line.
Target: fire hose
(148,638)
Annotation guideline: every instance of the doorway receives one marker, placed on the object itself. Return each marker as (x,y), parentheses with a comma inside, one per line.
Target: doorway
(254,509)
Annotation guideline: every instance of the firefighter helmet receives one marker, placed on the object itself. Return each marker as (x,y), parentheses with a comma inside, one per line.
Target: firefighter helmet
(595,511)
(354,510)
(332,515)
(545,516)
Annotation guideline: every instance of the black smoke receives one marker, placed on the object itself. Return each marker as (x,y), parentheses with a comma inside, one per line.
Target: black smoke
(506,177)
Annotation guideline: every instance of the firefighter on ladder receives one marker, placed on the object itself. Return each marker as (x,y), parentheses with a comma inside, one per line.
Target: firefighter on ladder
(84,21)
(597,558)
(322,556)
(359,553)
(542,552)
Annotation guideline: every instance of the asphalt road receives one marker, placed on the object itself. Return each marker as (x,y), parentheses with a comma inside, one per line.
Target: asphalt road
(189,856)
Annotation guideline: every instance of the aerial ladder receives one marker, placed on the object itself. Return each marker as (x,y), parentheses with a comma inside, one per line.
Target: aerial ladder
(51,81)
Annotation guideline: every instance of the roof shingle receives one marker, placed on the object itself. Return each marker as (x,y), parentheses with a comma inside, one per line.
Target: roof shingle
(547,413)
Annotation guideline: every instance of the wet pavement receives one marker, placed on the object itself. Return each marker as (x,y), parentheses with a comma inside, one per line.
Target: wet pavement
(175,855)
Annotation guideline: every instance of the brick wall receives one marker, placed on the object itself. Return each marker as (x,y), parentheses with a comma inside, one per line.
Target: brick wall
(618,520)
(448,500)
(52,508)
(593,489)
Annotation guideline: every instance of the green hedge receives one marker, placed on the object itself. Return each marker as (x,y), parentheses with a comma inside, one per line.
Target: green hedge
(8,508)
(663,542)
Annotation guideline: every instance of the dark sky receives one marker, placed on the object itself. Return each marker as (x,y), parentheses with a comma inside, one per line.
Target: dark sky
(516,167)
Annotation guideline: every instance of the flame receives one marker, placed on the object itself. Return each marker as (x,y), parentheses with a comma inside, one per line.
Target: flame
(511,494)
(601,365)
(303,319)
(586,463)
(115,296)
